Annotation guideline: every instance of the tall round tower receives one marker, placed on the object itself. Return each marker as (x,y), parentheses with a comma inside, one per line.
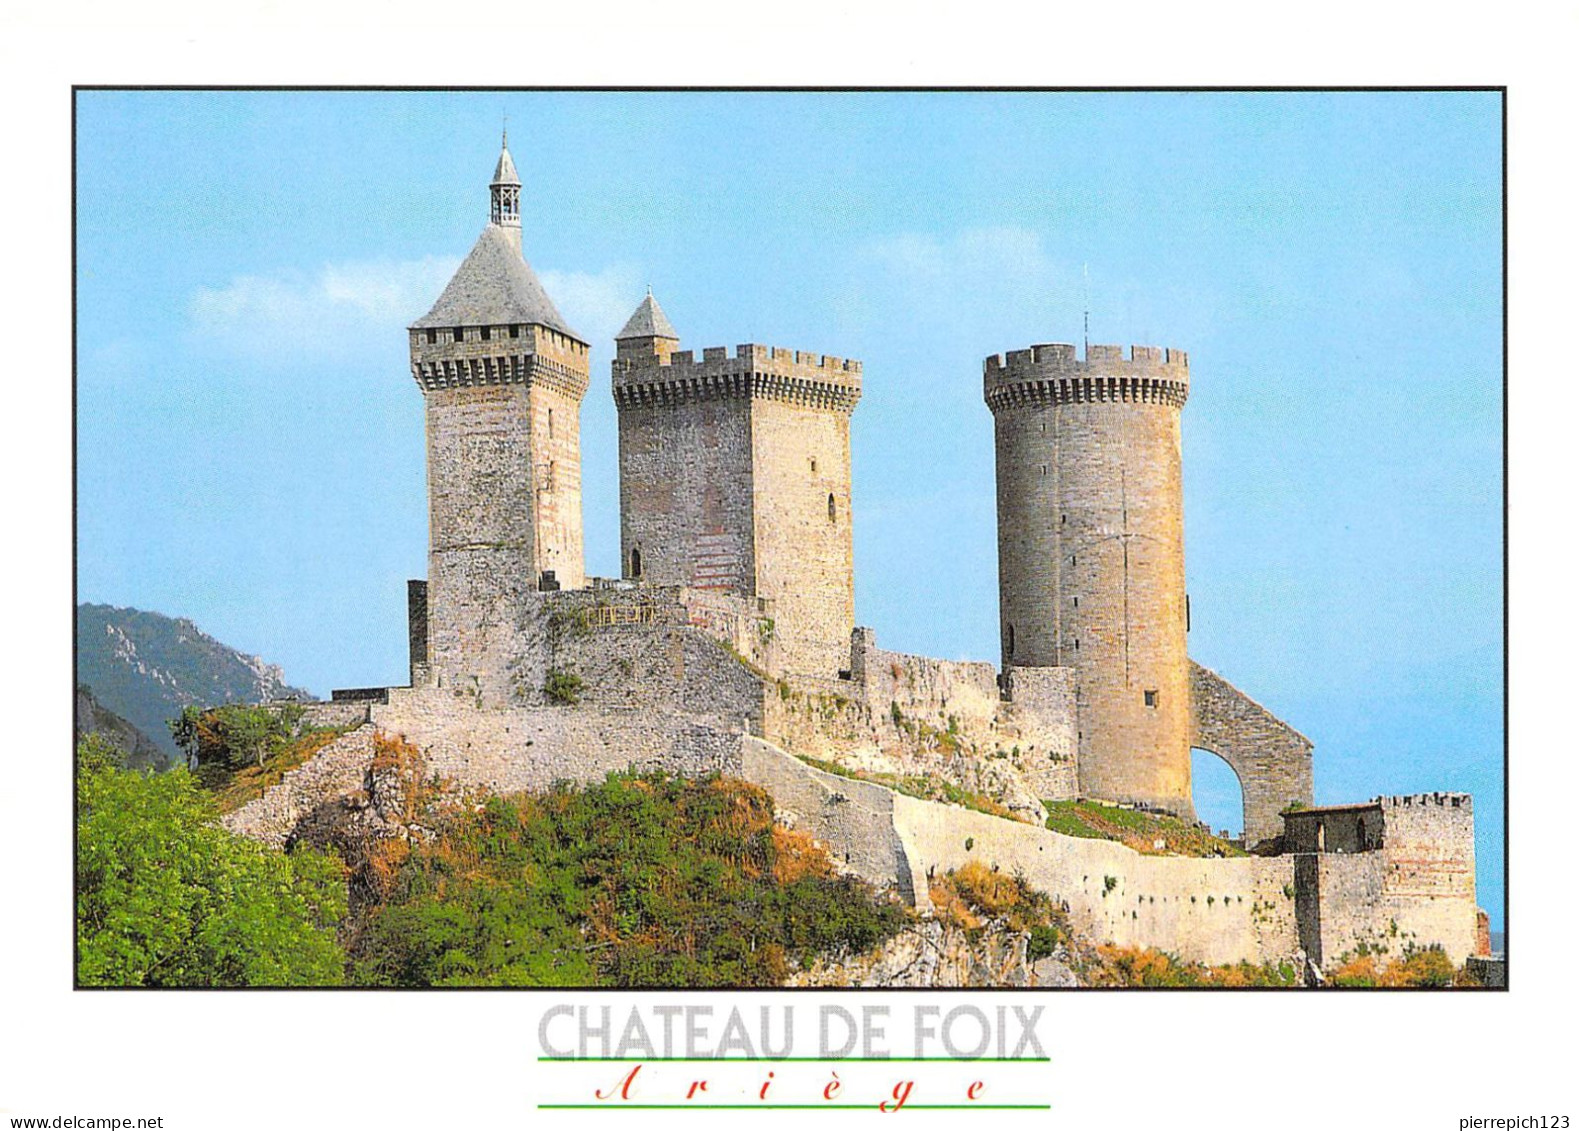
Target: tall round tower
(1091,552)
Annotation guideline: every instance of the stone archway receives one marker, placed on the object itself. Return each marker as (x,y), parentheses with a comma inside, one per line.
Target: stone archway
(1212,777)
(1271,758)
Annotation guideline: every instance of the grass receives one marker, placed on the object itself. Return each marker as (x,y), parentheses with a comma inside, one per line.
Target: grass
(251,782)
(1130,966)
(919,786)
(1136,829)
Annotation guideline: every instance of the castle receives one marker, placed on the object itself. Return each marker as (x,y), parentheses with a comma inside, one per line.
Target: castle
(729,642)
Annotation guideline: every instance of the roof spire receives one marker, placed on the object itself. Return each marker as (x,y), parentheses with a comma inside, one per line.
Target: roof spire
(648,321)
(504,192)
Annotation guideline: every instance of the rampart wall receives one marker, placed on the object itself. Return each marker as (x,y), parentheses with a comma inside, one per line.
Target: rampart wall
(914,715)
(1206,910)
(1408,883)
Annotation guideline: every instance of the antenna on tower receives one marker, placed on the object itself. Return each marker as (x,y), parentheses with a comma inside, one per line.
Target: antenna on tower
(1085,275)
(504,136)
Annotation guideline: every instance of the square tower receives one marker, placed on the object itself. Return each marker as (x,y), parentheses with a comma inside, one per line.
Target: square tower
(503,377)
(735,476)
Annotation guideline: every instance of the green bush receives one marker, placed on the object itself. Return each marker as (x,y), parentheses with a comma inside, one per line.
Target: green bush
(228,738)
(643,880)
(166,898)
(563,686)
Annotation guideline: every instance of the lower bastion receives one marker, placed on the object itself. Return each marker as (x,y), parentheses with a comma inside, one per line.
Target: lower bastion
(619,676)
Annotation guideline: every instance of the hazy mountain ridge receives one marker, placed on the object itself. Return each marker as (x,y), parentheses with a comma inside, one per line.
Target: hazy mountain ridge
(145,667)
(93,717)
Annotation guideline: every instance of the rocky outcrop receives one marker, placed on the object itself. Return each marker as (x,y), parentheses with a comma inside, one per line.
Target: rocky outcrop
(931,954)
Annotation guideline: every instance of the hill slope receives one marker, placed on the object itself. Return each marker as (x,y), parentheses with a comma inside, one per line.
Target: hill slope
(93,717)
(145,667)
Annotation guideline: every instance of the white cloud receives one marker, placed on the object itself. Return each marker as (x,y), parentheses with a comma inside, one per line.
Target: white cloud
(1014,289)
(376,290)
(346,308)
(596,304)
(1005,276)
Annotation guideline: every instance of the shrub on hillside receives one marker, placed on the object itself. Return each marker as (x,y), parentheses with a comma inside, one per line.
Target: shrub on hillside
(642,880)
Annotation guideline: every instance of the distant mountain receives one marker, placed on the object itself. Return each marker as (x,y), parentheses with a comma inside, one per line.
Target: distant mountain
(93,717)
(145,667)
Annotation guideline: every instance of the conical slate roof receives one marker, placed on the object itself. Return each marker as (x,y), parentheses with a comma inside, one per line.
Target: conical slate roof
(504,172)
(493,286)
(649,321)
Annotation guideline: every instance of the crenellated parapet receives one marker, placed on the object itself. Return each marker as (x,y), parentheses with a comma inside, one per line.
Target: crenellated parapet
(753,371)
(1426,801)
(471,356)
(1055,374)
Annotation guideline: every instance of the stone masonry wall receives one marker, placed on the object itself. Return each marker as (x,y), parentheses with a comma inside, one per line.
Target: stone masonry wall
(914,715)
(1206,910)
(1271,758)
(1091,552)
(556,455)
(1417,889)
(685,494)
(482,548)
(504,486)
(803,531)
(335,771)
(735,475)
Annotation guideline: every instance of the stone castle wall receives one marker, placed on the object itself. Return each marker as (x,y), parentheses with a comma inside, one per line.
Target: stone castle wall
(504,486)
(1216,910)
(685,494)
(1395,874)
(556,447)
(913,715)
(804,543)
(336,771)
(1271,759)
(1091,552)
(735,475)
(482,545)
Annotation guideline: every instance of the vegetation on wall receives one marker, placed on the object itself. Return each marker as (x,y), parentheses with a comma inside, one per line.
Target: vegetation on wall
(1415,968)
(231,737)
(1137,829)
(974,895)
(924,786)
(1132,967)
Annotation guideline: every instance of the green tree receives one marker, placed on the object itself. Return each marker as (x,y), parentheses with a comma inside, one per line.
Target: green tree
(166,898)
(234,736)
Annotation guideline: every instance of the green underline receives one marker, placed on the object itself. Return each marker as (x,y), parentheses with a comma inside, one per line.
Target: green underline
(792,1107)
(802,1059)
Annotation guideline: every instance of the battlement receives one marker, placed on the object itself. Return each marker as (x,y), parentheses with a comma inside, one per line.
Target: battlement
(514,354)
(1055,374)
(798,376)
(1426,801)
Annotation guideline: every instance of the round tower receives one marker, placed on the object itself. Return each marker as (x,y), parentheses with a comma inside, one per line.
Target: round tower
(1091,552)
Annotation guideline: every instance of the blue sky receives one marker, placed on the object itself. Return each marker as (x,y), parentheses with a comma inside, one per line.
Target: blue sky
(250,440)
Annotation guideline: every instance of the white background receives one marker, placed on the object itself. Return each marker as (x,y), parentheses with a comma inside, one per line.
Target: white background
(263,1060)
